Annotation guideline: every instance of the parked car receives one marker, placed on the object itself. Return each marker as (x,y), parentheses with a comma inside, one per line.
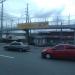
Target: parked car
(17,46)
(59,51)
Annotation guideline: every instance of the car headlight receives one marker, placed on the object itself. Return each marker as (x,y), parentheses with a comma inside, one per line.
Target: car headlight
(44,50)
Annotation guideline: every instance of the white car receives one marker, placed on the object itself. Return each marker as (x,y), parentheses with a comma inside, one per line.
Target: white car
(17,46)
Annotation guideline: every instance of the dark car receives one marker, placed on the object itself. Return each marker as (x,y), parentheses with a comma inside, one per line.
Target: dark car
(17,46)
(59,51)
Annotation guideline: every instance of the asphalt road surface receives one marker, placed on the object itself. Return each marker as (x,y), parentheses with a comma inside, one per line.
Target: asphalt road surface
(30,63)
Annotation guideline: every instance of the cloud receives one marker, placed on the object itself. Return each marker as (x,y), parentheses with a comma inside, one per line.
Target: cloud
(54,12)
(39,8)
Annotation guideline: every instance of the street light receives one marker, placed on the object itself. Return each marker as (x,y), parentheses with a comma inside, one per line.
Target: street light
(1,1)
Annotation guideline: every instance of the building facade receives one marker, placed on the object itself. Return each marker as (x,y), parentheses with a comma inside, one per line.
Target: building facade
(52,38)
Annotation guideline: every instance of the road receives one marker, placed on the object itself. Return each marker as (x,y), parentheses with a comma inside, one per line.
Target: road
(30,63)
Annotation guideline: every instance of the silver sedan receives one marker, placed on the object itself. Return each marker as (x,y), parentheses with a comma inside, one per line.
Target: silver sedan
(17,46)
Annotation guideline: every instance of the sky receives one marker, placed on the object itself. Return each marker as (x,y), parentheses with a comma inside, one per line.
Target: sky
(40,8)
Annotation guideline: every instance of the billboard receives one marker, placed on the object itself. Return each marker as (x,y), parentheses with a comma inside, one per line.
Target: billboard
(33,25)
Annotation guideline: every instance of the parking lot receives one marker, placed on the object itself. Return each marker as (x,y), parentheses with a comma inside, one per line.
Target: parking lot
(31,63)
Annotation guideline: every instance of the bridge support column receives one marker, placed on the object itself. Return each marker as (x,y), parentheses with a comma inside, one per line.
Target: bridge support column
(74,36)
(27,36)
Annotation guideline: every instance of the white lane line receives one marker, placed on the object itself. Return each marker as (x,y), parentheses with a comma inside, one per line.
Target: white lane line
(7,56)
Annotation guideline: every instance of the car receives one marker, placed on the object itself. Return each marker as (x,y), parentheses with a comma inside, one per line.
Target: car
(61,51)
(17,46)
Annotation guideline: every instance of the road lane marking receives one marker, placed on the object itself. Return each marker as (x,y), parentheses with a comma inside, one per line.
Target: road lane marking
(7,56)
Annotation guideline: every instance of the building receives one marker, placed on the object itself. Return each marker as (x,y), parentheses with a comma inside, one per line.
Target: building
(52,38)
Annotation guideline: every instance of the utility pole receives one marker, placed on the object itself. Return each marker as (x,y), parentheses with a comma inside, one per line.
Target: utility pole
(11,24)
(2,5)
(57,21)
(61,34)
(27,21)
(27,14)
(7,31)
(69,19)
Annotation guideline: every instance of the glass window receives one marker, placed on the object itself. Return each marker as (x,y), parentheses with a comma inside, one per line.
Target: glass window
(70,47)
(15,44)
(59,47)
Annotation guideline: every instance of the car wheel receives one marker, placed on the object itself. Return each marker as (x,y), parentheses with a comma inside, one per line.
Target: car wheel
(48,56)
(43,56)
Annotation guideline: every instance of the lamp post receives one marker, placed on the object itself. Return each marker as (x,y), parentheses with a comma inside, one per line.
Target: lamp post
(1,1)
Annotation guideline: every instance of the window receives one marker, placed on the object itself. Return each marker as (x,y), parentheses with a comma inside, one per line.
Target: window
(70,47)
(59,47)
(15,44)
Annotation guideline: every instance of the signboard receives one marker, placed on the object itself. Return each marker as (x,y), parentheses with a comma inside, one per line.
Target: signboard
(34,25)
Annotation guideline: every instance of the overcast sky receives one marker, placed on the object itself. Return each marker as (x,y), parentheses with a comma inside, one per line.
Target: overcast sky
(39,8)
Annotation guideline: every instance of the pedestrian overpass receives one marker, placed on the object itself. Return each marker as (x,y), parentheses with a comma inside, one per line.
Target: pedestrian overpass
(36,26)
(43,25)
